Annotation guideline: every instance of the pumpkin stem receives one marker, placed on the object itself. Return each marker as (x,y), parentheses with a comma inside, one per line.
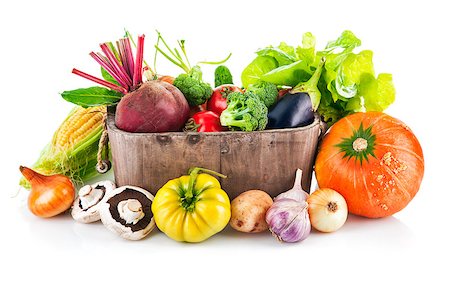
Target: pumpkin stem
(360,144)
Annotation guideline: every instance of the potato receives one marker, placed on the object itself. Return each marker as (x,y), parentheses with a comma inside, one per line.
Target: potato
(248,211)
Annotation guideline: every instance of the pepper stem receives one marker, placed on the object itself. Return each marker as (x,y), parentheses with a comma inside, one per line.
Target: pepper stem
(193,174)
(191,126)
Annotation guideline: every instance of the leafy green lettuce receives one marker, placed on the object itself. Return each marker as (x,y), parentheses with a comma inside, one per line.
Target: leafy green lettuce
(348,82)
(258,67)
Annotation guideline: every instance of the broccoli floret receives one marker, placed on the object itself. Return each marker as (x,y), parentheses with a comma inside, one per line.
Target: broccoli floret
(244,112)
(267,92)
(222,76)
(193,88)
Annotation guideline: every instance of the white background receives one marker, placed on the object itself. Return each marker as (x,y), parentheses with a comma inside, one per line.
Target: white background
(40,44)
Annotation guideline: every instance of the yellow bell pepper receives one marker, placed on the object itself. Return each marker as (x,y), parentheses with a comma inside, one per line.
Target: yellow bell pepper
(193,207)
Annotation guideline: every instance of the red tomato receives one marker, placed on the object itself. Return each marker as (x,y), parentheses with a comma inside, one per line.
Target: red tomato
(205,121)
(218,101)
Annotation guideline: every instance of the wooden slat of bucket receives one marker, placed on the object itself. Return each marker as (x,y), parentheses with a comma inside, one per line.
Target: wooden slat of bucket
(168,156)
(264,160)
(267,159)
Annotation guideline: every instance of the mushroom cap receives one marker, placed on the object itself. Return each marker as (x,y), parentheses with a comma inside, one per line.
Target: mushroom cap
(85,208)
(137,200)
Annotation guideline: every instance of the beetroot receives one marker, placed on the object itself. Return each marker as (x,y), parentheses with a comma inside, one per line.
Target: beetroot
(153,106)
(156,106)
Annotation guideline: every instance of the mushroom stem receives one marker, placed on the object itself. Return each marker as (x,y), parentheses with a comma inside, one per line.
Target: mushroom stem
(131,211)
(90,196)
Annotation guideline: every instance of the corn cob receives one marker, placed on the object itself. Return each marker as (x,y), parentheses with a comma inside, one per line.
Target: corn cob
(74,146)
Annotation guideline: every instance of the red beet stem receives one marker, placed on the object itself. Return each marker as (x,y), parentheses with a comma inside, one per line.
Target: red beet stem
(100,81)
(104,62)
(130,57)
(123,57)
(115,64)
(137,76)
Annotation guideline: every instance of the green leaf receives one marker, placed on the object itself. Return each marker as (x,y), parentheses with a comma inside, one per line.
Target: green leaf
(107,77)
(91,97)
(289,75)
(330,111)
(281,56)
(378,93)
(334,60)
(306,51)
(348,41)
(290,50)
(259,66)
(334,93)
(354,105)
(350,71)
(348,82)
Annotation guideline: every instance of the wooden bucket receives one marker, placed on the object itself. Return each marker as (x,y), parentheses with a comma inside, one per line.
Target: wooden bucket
(265,160)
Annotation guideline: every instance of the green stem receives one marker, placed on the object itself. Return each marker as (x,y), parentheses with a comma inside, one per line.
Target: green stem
(312,82)
(191,126)
(165,43)
(172,60)
(172,55)
(183,49)
(178,55)
(193,174)
(216,62)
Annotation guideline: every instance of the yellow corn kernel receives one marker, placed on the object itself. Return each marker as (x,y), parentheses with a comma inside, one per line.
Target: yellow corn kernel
(77,126)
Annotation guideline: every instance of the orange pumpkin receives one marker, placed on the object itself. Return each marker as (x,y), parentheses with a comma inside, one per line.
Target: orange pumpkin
(374,160)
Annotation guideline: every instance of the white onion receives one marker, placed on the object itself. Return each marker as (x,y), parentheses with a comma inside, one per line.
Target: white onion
(327,210)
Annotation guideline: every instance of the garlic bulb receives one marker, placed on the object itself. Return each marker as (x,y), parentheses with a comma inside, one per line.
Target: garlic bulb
(288,220)
(288,217)
(296,192)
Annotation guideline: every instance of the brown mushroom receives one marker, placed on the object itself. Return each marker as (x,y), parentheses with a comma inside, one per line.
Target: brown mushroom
(127,212)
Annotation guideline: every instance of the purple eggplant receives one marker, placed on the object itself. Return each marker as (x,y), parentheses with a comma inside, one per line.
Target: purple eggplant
(296,108)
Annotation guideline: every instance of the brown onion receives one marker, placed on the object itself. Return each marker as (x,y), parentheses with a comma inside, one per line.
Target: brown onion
(49,195)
